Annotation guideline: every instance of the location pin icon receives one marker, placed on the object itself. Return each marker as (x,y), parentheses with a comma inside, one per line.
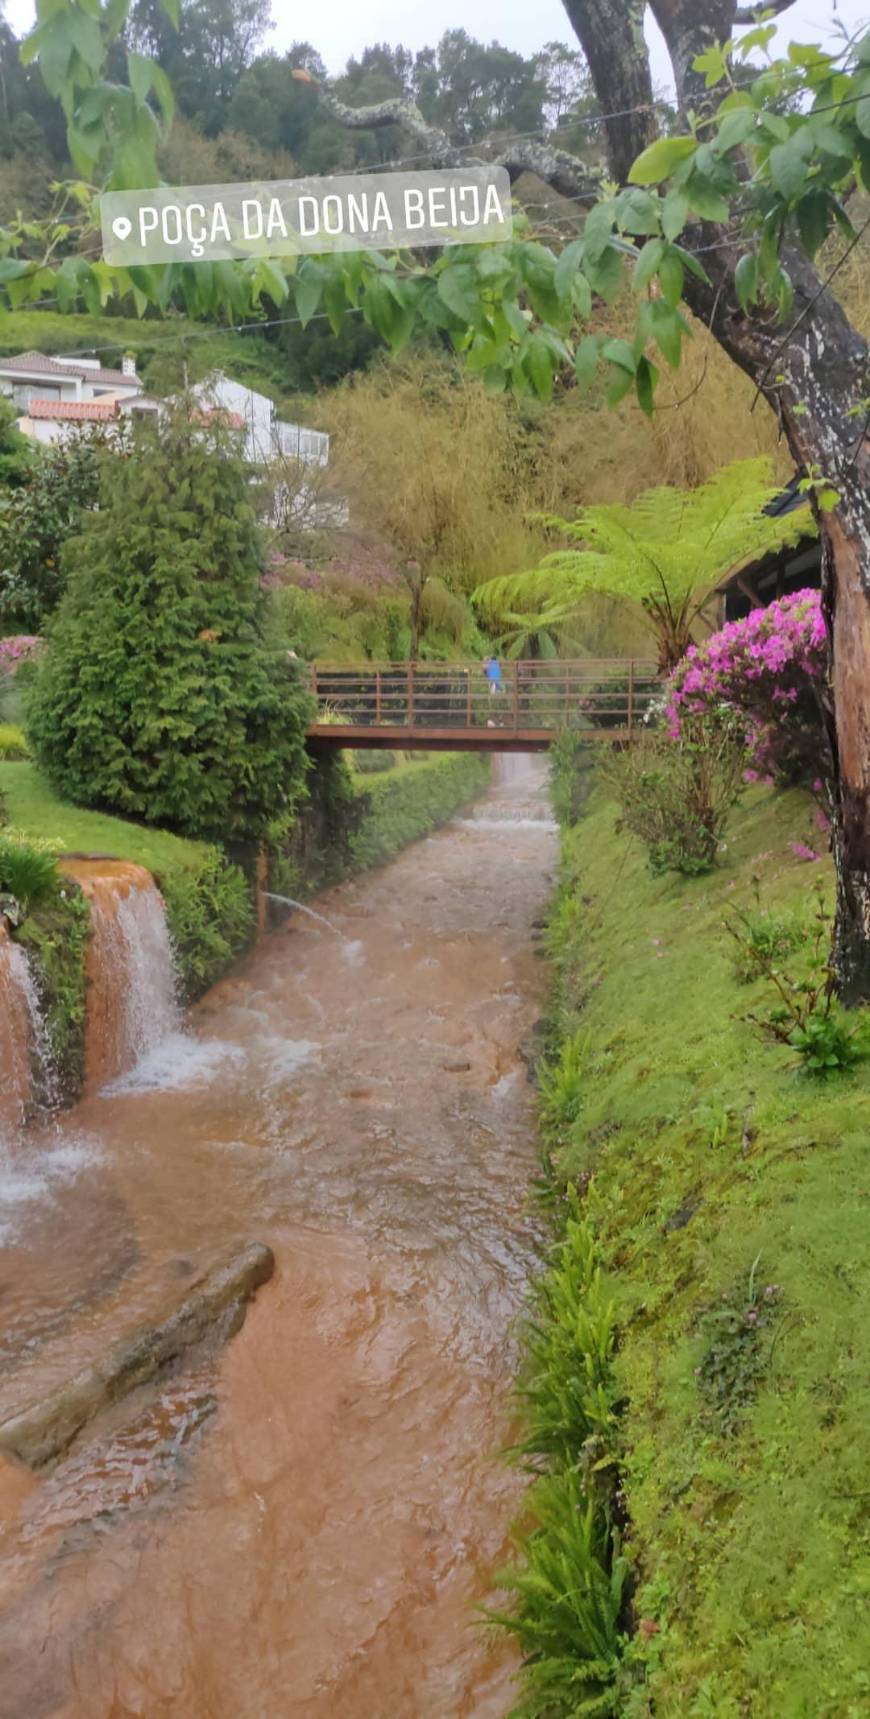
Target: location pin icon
(122,227)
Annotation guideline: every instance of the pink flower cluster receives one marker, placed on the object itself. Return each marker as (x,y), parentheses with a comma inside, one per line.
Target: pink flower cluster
(18,649)
(766,669)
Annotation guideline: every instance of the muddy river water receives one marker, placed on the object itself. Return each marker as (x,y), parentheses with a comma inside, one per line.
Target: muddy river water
(305,1522)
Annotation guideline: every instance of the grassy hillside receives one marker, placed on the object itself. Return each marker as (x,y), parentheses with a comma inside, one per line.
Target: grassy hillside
(33,809)
(246,356)
(729,1194)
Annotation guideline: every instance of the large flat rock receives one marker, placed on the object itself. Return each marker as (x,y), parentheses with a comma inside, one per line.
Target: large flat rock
(214,1305)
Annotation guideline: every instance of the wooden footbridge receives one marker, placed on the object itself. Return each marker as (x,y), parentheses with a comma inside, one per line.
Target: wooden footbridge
(448,707)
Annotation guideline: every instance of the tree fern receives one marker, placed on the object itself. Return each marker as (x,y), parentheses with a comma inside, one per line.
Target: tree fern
(666,551)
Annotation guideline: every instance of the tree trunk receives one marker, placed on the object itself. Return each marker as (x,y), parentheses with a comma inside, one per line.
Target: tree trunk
(813,372)
(611,36)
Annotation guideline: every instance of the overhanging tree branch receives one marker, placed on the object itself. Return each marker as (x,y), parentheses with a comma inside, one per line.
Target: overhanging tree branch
(556,167)
(751,14)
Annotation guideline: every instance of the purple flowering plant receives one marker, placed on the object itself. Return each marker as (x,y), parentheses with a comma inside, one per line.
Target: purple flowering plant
(768,669)
(20,648)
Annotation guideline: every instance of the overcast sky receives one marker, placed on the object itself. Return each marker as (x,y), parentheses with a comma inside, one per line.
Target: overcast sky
(341,28)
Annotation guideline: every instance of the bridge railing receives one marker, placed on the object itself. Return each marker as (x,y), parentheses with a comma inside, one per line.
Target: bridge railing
(600,694)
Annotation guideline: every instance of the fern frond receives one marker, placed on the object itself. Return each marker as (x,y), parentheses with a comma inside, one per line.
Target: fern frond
(669,546)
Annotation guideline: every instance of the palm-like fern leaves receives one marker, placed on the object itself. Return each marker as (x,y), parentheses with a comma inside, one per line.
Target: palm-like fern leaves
(665,551)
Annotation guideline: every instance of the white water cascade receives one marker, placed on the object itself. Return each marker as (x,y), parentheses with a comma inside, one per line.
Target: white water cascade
(25,1051)
(132,1000)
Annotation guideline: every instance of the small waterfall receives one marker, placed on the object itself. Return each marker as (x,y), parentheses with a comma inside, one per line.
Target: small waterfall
(132,1000)
(25,1050)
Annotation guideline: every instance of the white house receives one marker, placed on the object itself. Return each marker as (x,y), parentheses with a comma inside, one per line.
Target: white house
(266,436)
(55,394)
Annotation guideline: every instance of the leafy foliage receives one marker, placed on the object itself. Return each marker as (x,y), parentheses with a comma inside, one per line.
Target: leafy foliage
(517,312)
(17,454)
(35,521)
(676,795)
(159,696)
(210,914)
(13,742)
(733,1360)
(665,551)
(28,874)
(571,775)
(806,1015)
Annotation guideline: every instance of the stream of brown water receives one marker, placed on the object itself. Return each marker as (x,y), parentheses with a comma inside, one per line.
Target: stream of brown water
(304,1523)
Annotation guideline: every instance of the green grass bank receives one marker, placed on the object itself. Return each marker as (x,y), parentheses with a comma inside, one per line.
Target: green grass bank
(728,1195)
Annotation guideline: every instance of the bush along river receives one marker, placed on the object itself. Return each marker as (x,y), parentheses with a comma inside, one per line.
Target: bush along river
(297,1511)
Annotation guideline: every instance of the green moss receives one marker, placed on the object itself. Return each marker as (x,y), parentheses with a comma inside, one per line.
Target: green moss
(210,913)
(716,1165)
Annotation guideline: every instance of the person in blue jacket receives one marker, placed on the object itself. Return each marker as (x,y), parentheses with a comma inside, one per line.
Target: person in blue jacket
(492,670)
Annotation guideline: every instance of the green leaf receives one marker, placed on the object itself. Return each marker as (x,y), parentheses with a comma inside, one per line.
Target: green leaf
(308,288)
(672,278)
(668,329)
(164,93)
(139,69)
(648,263)
(862,116)
(658,161)
(714,65)
(539,365)
(787,164)
(597,230)
(459,290)
(620,383)
(777,126)
(645,380)
(813,218)
(637,211)
(567,268)
(829,138)
(582,293)
(619,352)
(605,275)
(746,281)
(335,301)
(11,268)
(586,360)
(87,39)
(735,128)
(170,7)
(705,200)
(675,213)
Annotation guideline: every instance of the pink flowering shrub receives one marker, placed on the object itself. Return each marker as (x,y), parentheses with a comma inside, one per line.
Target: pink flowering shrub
(18,649)
(767,670)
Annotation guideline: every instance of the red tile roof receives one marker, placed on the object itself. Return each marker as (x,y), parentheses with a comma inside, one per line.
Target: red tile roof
(99,410)
(218,414)
(42,365)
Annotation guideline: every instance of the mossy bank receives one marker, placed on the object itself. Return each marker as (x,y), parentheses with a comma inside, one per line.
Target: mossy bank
(728,1195)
